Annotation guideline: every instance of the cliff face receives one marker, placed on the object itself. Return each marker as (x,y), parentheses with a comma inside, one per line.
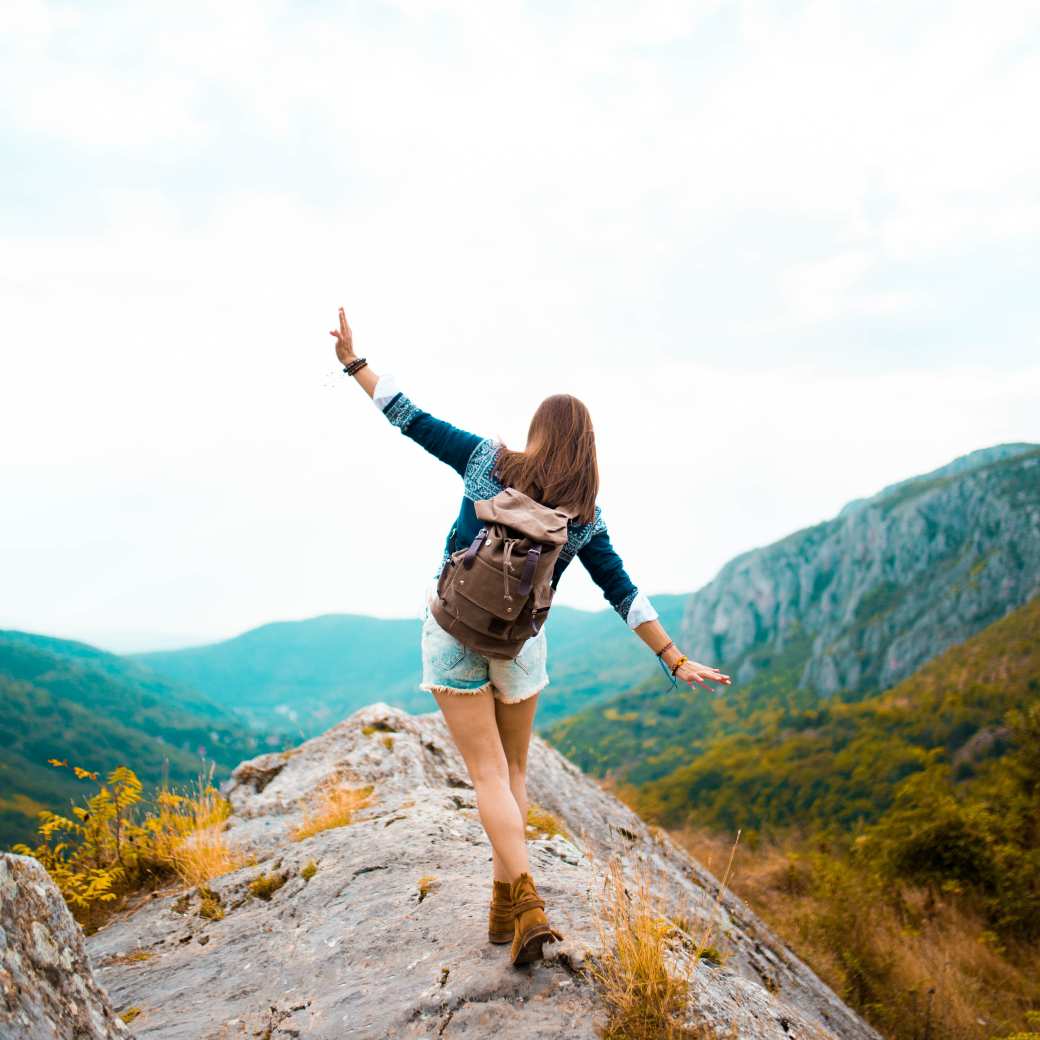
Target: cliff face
(861,601)
(360,949)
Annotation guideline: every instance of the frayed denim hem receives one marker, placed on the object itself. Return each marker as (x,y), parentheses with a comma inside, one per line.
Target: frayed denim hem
(439,688)
(517,700)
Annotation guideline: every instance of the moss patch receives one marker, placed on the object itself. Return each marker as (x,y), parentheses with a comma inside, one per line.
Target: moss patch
(543,824)
(265,886)
(211,906)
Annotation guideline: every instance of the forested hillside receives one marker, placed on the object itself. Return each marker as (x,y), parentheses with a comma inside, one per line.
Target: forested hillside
(895,842)
(840,764)
(73,702)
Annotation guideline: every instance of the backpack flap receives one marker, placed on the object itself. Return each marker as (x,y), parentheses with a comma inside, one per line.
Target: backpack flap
(512,508)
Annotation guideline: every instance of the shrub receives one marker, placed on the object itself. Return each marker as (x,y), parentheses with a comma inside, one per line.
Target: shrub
(119,842)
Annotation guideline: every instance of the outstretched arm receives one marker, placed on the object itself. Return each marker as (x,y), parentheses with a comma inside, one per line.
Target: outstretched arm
(441,439)
(608,572)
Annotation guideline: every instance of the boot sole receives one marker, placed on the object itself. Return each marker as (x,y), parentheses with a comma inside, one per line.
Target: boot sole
(531,949)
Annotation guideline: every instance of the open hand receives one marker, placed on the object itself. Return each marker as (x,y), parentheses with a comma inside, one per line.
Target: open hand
(344,340)
(691,672)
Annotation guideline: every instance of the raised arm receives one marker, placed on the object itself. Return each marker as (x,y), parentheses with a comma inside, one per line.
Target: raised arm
(441,439)
(608,572)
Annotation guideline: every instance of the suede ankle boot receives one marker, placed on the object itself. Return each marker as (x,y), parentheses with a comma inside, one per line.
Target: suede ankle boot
(531,928)
(500,917)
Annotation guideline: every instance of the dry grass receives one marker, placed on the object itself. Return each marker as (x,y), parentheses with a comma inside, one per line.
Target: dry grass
(334,807)
(543,824)
(201,854)
(427,883)
(205,855)
(647,997)
(913,964)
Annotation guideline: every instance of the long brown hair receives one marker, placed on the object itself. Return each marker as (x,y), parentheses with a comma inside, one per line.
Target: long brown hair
(558,467)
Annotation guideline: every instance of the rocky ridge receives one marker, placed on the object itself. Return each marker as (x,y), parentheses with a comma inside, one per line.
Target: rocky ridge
(346,941)
(861,601)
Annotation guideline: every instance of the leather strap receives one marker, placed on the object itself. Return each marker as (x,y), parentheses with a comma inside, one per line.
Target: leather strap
(527,576)
(474,548)
(529,903)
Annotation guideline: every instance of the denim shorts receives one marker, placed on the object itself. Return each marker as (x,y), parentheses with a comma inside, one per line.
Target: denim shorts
(447,664)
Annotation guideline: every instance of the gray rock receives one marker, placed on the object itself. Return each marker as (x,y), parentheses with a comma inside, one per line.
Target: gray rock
(49,991)
(358,952)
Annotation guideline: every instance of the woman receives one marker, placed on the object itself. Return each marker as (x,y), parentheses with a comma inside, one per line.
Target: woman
(488,703)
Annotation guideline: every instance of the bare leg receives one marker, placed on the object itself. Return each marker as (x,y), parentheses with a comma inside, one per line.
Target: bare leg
(514,729)
(471,722)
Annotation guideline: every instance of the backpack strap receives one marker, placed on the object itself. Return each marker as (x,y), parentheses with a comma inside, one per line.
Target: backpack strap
(474,548)
(527,575)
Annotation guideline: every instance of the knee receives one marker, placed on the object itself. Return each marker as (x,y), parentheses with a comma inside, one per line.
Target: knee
(517,772)
(489,773)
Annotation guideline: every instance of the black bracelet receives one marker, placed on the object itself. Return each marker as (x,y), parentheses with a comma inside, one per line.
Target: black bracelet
(665,647)
(355,366)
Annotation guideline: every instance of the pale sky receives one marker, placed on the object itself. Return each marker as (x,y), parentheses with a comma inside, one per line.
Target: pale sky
(787,254)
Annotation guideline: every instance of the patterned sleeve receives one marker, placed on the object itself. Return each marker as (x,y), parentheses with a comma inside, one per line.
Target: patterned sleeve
(448,443)
(608,572)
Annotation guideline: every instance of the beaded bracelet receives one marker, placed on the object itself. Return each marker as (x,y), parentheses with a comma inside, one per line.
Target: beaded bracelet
(355,366)
(678,664)
(665,647)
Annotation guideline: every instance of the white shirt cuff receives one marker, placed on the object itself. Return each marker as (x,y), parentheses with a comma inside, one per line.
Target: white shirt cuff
(386,387)
(641,610)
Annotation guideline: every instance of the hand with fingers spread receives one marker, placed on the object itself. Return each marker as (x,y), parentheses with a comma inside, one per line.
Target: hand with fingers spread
(691,672)
(344,340)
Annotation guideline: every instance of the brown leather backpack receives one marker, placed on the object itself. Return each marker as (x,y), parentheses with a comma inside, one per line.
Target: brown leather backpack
(495,594)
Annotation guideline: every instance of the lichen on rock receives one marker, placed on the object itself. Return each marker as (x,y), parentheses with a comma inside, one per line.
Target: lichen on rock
(47,987)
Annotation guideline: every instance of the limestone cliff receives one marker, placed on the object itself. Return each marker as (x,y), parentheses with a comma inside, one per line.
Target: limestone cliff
(357,948)
(861,601)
